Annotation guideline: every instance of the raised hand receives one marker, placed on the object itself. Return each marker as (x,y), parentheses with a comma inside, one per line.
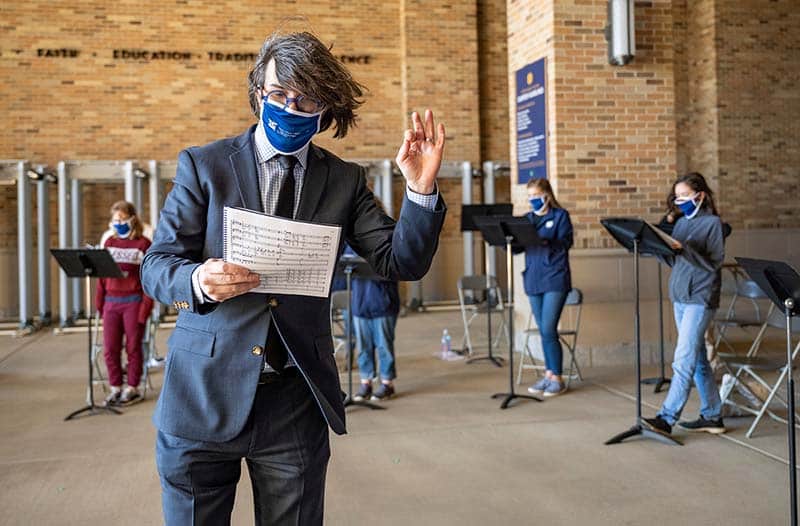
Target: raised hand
(420,155)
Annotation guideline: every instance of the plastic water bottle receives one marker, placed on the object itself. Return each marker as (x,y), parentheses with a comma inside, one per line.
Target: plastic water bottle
(446,350)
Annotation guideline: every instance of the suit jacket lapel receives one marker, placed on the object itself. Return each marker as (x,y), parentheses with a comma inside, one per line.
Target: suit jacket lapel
(243,163)
(313,184)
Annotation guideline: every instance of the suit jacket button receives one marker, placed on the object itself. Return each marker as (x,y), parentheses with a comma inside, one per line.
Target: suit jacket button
(257,350)
(273,302)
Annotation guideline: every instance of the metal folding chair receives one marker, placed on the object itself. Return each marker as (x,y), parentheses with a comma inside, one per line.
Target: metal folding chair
(755,366)
(745,289)
(486,297)
(567,334)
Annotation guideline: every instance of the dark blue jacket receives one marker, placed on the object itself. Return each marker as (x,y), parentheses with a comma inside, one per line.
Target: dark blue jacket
(215,351)
(375,298)
(547,266)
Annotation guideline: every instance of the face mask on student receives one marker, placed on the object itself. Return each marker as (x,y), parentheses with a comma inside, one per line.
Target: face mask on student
(288,130)
(689,205)
(538,204)
(122,228)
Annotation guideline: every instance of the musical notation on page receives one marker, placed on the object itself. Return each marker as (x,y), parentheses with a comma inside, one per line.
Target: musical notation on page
(291,257)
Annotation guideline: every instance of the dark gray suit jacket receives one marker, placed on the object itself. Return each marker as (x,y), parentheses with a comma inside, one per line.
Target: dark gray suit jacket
(214,361)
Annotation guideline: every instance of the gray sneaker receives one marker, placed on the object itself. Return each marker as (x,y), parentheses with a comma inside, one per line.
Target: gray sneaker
(364,392)
(539,387)
(554,388)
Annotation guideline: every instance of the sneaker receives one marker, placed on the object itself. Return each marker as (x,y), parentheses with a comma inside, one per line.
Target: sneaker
(384,392)
(715,427)
(539,387)
(113,397)
(363,393)
(658,424)
(130,395)
(554,388)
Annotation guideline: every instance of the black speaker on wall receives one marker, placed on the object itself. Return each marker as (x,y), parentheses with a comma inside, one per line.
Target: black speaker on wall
(620,32)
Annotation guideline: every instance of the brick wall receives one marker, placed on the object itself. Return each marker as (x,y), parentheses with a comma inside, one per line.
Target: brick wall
(612,148)
(758,94)
(94,106)
(493,63)
(699,118)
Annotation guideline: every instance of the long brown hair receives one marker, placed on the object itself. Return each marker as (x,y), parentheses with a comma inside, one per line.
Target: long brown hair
(128,209)
(543,185)
(696,182)
(304,64)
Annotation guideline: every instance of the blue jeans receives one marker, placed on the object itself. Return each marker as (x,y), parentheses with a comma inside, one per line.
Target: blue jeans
(690,362)
(375,335)
(546,309)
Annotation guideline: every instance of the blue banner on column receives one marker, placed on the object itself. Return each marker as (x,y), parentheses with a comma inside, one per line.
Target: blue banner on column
(531,122)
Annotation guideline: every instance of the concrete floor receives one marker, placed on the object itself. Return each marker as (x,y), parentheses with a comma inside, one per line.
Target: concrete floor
(443,453)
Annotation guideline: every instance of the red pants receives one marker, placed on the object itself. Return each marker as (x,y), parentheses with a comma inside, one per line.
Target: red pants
(119,319)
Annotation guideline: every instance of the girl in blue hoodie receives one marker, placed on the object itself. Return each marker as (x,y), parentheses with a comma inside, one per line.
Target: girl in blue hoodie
(547,279)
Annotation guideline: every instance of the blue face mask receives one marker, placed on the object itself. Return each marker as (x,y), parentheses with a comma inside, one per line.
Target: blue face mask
(537,203)
(689,206)
(123,229)
(288,130)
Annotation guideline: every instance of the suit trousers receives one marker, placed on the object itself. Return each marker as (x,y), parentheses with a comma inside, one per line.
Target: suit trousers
(285,444)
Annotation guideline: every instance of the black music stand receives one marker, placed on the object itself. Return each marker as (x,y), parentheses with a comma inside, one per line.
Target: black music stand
(781,283)
(639,237)
(513,233)
(349,266)
(468,215)
(88,263)
(661,380)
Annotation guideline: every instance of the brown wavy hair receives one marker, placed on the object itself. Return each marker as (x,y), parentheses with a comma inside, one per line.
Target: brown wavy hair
(543,185)
(128,209)
(696,182)
(304,64)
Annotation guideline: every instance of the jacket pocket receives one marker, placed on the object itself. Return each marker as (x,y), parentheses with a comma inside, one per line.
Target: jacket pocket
(195,341)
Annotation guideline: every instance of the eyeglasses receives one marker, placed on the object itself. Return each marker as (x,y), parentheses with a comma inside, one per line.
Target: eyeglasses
(303,103)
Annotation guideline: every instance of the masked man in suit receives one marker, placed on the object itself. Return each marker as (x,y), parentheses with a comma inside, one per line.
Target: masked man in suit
(251,375)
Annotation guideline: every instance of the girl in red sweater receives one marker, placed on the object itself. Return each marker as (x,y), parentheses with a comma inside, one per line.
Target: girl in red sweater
(123,305)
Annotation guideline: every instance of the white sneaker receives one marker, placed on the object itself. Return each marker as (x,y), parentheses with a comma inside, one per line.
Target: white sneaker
(538,388)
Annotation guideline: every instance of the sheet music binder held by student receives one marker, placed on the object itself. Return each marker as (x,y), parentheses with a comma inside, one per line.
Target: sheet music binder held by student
(252,375)
(694,288)
(548,280)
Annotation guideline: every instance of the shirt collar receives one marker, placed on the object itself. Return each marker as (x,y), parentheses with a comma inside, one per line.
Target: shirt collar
(265,151)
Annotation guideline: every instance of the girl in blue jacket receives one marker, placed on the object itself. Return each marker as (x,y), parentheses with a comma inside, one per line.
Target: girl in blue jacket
(547,279)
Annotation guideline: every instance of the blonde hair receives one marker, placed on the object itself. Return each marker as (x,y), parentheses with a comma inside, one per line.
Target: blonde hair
(543,185)
(128,209)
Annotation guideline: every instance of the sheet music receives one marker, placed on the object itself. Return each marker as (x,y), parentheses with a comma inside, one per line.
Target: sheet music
(292,257)
(669,240)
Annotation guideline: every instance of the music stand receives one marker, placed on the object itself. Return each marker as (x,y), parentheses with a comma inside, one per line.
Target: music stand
(350,265)
(781,283)
(639,237)
(88,263)
(511,232)
(661,380)
(468,215)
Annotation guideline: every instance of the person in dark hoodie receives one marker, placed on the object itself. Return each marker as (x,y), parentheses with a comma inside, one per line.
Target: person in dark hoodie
(376,305)
(694,288)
